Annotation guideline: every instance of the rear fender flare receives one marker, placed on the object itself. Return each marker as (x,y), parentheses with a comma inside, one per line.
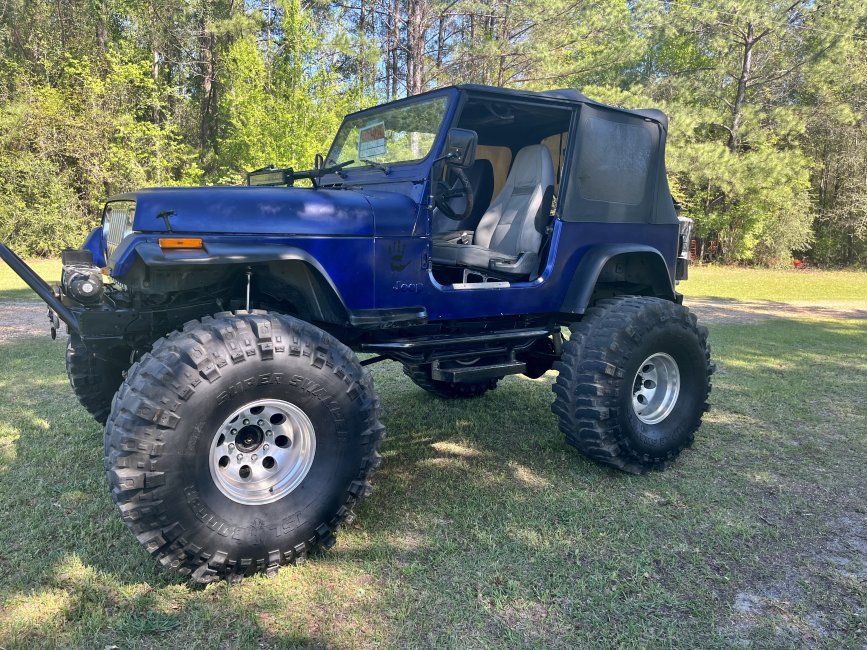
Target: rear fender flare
(602,258)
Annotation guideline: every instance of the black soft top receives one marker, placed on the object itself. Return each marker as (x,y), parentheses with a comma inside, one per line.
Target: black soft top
(570,95)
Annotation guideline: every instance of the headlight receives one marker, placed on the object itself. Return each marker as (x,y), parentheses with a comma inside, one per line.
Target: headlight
(116,224)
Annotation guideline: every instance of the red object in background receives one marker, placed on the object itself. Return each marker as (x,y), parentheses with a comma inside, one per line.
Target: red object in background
(797,263)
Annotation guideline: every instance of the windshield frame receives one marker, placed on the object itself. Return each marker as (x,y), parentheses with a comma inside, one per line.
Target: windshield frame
(403,169)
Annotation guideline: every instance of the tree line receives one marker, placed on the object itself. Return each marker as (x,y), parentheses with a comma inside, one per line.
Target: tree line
(767,146)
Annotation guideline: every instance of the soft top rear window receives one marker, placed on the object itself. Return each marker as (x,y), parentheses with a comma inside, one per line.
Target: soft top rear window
(613,161)
(614,168)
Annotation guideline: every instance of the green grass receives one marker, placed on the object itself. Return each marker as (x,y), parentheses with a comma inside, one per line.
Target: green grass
(775,285)
(485,529)
(13,288)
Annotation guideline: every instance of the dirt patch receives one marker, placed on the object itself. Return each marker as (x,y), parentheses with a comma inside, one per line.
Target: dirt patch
(817,596)
(744,312)
(21,319)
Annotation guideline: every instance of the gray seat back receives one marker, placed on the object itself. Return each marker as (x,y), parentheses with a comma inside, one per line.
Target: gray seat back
(513,224)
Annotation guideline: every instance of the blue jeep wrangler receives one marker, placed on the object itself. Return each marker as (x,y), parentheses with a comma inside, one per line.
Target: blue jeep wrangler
(460,233)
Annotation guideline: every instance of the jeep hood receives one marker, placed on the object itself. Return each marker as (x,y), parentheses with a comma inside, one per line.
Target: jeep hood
(268,210)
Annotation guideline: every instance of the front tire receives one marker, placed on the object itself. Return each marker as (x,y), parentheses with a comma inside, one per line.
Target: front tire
(634,381)
(94,378)
(242,443)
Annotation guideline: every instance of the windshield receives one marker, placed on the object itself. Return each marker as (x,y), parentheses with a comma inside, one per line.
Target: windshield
(390,135)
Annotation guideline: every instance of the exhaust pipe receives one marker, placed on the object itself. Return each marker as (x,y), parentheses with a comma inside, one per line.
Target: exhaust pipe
(40,287)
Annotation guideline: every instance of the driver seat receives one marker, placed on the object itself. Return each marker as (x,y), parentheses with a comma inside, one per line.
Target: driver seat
(509,235)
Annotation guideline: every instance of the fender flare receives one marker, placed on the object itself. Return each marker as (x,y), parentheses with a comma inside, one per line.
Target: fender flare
(235,254)
(592,263)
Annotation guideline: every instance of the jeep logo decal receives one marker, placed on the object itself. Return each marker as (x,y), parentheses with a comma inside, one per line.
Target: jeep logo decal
(407,287)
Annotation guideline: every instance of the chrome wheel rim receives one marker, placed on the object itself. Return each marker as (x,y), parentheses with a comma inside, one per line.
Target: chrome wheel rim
(655,388)
(262,452)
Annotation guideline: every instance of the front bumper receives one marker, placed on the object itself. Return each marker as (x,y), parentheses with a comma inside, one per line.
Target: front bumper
(103,320)
(50,295)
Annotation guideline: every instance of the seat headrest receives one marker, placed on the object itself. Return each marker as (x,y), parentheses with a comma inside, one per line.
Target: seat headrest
(532,168)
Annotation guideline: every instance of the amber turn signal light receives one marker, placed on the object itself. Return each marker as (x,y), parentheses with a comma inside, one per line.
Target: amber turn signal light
(180,242)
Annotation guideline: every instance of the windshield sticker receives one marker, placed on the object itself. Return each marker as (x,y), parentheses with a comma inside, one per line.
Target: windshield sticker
(371,140)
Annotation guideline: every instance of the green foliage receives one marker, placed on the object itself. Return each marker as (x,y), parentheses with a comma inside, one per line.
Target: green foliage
(39,212)
(755,203)
(80,123)
(282,112)
(64,148)
(766,99)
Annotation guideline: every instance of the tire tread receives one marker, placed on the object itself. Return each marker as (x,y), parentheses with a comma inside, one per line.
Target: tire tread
(588,386)
(142,415)
(93,381)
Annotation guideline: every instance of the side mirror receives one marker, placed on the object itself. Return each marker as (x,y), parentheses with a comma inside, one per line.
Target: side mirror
(461,147)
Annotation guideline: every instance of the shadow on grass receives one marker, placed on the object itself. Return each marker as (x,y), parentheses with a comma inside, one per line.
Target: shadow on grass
(485,528)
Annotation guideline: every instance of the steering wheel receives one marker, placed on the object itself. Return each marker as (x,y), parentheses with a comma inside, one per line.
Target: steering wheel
(458,192)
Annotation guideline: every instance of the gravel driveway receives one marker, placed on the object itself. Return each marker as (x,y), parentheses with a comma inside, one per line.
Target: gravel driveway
(21,319)
(723,310)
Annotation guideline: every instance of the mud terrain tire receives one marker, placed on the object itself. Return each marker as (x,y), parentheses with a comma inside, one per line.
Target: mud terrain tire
(634,381)
(239,382)
(94,380)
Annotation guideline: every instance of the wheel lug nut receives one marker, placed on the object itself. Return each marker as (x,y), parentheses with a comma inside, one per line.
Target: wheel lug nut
(268,432)
(266,447)
(261,422)
(231,446)
(240,456)
(253,457)
(234,431)
(246,421)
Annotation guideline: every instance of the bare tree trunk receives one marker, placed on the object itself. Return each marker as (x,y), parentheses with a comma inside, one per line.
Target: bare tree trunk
(155,76)
(489,68)
(362,50)
(416,26)
(504,42)
(209,99)
(441,32)
(101,27)
(749,41)
(395,46)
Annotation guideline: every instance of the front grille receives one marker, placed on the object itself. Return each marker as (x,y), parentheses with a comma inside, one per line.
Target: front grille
(118,220)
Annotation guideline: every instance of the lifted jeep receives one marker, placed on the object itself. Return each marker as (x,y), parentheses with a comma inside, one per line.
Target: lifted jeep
(460,233)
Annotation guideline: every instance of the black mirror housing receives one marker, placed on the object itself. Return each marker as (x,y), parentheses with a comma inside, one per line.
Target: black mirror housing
(461,147)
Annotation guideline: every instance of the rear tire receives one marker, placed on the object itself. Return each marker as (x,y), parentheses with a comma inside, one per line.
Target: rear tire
(421,377)
(94,380)
(242,443)
(633,382)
